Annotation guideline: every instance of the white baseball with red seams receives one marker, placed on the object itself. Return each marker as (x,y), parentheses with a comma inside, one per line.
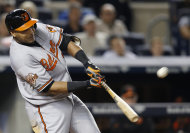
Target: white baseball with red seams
(162,72)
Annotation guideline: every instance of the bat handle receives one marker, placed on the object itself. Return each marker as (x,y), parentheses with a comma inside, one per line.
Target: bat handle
(108,89)
(104,85)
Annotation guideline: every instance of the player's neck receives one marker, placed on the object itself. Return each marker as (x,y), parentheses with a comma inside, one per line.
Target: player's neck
(23,42)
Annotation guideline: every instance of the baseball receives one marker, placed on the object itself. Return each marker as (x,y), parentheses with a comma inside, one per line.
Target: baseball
(162,72)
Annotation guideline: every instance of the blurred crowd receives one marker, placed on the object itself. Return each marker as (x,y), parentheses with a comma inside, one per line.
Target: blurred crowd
(129,93)
(105,29)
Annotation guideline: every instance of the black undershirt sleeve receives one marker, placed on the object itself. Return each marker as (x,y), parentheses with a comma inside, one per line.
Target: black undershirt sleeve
(66,39)
(77,85)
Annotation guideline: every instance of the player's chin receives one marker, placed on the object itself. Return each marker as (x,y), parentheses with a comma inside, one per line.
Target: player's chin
(30,40)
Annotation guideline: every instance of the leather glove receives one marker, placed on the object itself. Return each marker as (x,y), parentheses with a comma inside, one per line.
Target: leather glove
(93,71)
(96,82)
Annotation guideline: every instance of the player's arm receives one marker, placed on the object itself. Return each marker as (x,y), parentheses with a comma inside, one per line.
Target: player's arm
(60,87)
(69,44)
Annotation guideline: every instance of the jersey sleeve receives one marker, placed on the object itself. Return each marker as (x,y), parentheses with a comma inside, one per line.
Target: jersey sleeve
(34,74)
(61,39)
(55,34)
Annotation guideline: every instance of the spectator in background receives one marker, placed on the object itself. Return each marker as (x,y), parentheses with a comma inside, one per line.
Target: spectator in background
(184,25)
(73,25)
(157,48)
(90,38)
(64,15)
(123,9)
(108,22)
(128,94)
(118,48)
(5,38)
(123,125)
(5,8)
(3,31)
(30,7)
(184,29)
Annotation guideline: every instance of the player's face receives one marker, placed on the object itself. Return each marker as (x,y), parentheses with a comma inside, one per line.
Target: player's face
(26,36)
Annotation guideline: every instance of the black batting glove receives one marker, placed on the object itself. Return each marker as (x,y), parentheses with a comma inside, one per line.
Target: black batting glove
(96,82)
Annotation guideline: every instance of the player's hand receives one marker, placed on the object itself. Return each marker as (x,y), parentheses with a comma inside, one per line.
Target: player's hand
(96,82)
(93,72)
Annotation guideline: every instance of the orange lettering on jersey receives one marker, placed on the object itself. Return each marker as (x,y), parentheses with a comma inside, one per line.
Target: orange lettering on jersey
(52,49)
(53,66)
(44,63)
(50,64)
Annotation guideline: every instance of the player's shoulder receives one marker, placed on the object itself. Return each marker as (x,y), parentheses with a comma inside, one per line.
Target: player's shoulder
(46,32)
(47,28)
(16,48)
(19,54)
(41,27)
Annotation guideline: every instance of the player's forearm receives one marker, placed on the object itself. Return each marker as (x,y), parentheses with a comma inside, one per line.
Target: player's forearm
(78,53)
(72,48)
(60,87)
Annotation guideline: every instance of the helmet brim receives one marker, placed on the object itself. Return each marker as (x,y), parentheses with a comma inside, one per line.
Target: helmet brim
(27,25)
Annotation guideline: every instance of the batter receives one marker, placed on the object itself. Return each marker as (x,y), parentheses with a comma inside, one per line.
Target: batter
(36,56)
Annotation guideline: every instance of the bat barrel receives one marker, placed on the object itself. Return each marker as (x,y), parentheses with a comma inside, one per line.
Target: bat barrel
(127,110)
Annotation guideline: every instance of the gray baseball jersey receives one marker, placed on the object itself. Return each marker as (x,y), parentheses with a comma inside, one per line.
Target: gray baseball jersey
(36,67)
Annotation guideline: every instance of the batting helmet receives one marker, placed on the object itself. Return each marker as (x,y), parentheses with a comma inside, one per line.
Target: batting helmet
(19,20)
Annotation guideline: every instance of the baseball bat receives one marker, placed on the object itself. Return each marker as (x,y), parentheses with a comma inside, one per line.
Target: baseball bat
(127,110)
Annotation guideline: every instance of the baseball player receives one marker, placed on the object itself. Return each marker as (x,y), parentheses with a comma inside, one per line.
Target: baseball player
(43,78)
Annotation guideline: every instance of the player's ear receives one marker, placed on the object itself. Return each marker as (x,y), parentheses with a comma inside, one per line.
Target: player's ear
(13,33)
